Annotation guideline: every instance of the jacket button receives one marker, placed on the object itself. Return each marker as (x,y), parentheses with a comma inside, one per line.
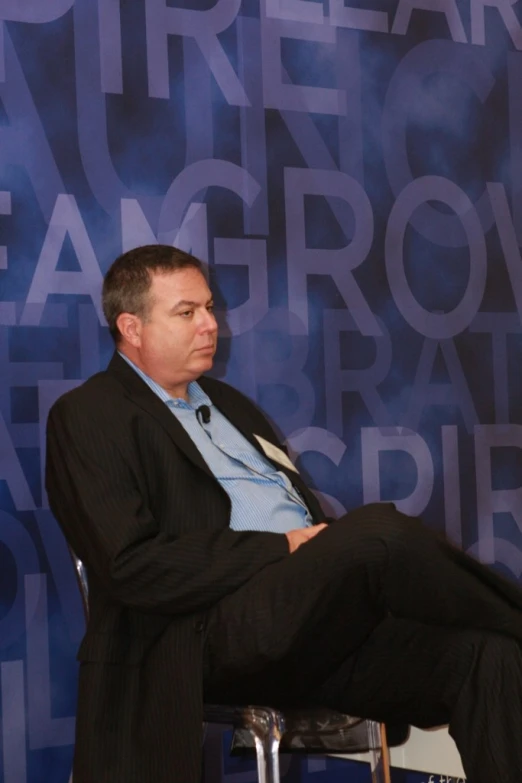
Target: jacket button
(199,626)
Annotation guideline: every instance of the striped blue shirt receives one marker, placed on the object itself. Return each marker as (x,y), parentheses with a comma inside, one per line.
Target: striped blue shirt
(262,497)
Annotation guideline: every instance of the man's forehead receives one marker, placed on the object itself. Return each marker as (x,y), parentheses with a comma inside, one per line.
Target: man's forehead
(180,283)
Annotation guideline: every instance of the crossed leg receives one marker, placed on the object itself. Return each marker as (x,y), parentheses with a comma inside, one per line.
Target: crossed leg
(378,617)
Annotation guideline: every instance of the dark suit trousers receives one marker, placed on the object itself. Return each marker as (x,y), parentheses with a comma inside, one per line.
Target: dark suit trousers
(378,617)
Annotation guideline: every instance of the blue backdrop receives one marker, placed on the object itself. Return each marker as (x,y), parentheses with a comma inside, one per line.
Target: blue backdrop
(353,175)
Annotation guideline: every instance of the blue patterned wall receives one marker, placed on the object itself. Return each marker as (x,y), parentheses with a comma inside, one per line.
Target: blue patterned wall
(353,174)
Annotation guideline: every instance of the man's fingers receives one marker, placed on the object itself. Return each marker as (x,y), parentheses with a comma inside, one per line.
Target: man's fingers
(302,534)
(315,529)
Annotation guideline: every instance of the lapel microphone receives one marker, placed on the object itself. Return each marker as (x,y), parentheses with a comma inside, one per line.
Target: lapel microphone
(203,413)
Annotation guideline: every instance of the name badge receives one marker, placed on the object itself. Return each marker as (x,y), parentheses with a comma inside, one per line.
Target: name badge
(274,453)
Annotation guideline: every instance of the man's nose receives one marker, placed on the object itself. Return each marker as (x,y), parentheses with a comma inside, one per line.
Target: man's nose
(209,323)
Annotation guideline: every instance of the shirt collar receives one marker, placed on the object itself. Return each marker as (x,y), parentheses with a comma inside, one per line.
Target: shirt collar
(196,395)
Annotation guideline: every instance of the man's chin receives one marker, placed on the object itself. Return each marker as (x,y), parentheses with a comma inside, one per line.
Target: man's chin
(204,364)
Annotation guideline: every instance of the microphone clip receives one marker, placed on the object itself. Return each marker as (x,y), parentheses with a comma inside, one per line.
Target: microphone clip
(203,413)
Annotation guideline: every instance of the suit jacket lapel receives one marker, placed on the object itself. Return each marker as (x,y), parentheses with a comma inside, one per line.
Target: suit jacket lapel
(138,391)
(237,415)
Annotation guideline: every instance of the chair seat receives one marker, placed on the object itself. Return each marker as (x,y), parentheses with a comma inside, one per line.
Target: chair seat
(309,730)
(316,730)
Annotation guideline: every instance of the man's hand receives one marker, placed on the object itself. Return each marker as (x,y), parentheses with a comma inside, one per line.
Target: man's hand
(302,535)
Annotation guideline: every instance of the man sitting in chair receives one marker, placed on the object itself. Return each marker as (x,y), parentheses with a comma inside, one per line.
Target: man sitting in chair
(213,575)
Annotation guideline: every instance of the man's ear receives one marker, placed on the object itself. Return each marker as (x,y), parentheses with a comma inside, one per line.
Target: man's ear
(129,326)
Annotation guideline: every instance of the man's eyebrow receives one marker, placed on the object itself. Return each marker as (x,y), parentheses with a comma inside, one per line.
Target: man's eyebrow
(189,303)
(184,303)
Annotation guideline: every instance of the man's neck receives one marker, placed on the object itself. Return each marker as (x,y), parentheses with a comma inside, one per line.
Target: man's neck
(179,391)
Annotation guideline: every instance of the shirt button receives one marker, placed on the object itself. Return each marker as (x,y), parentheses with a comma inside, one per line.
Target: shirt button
(199,626)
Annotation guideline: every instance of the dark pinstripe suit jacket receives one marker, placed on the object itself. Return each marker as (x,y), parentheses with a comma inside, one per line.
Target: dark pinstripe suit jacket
(140,507)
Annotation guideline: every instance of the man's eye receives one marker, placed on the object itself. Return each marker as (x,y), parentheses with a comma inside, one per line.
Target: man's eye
(186,313)
(210,308)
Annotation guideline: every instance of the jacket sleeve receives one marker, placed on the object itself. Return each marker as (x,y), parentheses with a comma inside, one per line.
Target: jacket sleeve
(95,496)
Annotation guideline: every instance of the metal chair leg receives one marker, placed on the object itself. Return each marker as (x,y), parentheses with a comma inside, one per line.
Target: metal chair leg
(385,754)
(272,756)
(379,754)
(267,727)
(261,758)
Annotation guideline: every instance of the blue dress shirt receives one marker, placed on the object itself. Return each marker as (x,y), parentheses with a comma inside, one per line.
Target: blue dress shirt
(262,497)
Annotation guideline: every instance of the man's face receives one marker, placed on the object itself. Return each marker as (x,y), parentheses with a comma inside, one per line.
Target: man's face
(177,338)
